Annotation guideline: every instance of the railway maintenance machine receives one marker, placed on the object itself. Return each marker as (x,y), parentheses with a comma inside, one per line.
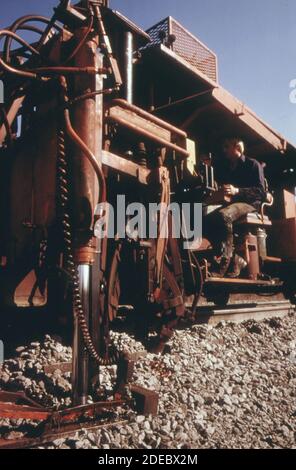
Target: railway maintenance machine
(96,109)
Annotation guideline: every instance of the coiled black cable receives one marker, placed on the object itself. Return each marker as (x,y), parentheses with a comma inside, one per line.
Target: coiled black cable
(70,264)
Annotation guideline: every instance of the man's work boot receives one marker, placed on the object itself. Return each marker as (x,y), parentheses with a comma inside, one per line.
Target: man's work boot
(238,265)
(221,267)
(226,256)
(224,266)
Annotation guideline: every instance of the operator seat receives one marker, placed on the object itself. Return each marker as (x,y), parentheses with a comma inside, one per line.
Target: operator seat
(256,218)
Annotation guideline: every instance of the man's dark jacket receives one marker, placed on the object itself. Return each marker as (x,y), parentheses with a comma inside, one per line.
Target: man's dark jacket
(248,176)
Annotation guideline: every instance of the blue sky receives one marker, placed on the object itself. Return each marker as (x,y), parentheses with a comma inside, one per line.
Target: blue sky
(255,41)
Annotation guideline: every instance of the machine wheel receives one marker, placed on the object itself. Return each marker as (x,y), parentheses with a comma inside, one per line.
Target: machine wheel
(159,317)
(169,309)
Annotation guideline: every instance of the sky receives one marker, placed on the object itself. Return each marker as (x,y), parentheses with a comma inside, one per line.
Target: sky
(254,40)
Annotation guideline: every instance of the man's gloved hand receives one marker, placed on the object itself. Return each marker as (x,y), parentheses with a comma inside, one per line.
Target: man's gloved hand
(230,190)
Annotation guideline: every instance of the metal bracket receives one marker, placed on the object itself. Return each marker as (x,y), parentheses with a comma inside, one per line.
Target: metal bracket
(69,15)
(146,401)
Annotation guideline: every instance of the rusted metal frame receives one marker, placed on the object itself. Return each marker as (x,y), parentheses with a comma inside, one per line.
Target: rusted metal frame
(88,70)
(86,152)
(119,113)
(81,42)
(18,406)
(196,113)
(183,100)
(9,410)
(114,284)
(162,240)
(85,411)
(93,94)
(108,48)
(244,114)
(198,283)
(176,302)
(55,424)
(18,398)
(148,135)
(64,431)
(175,255)
(172,301)
(150,117)
(122,165)
(225,281)
(42,72)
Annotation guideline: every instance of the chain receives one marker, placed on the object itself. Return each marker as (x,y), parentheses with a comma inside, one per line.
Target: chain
(70,264)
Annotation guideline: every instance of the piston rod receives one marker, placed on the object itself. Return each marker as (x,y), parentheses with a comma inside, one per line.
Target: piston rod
(80,360)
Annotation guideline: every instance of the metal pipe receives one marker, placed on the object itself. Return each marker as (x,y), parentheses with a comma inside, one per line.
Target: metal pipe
(141,112)
(18,25)
(66,70)
(80,359)
(128,66)
(10,69)
(184,100)
(149,135)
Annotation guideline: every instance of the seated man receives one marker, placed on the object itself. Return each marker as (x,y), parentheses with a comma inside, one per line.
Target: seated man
(243,182)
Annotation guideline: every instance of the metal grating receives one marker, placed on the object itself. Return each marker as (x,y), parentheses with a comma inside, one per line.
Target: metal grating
(186,46)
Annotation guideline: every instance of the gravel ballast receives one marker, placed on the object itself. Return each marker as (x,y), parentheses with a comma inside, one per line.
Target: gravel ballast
(228,386)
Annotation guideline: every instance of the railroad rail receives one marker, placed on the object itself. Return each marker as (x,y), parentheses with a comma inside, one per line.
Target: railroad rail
(240,312)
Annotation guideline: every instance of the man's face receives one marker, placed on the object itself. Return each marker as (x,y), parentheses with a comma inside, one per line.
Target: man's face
(231,150)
